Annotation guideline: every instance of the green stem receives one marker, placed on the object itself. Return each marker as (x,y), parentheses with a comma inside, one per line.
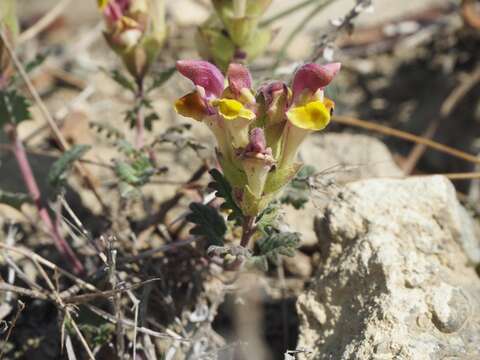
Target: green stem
(286,12)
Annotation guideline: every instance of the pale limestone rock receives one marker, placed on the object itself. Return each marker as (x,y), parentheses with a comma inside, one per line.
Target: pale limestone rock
(341,158)
(396,281)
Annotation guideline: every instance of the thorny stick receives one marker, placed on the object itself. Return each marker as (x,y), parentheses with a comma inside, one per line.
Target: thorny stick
(51,122)
(34,191)
(65,309)
(116,299)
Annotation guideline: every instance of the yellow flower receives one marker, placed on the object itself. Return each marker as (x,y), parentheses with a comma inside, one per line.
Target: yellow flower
(237,119)
(232,109)
(314,115)
(302,120)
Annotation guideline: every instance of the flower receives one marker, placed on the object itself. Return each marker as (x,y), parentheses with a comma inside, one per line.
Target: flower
(258,133)
(136,30)
(257,161)
(310,110)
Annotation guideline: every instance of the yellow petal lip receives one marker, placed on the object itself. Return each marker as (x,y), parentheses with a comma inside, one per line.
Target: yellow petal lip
(313,116)
(102,4)
(231,109)
(192,105)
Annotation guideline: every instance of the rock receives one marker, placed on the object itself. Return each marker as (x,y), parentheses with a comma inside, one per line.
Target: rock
(340,158)
(396,281)
(299,265)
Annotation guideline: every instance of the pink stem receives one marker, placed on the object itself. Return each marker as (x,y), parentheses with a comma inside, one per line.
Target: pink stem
(140,125)
(31,184)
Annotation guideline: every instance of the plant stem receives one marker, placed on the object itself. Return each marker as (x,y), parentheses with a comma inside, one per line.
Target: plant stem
(300,26)
(34,191)
(140,125)
(287,12)
(248,230)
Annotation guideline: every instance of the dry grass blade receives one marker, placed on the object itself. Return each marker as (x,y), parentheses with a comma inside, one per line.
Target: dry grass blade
(382,129)
(20,308)
(44,22)
(35,294)
(78,299)
(130,324)
(450,104)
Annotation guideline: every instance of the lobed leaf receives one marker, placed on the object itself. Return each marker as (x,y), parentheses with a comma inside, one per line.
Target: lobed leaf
(208,223)
(59,171)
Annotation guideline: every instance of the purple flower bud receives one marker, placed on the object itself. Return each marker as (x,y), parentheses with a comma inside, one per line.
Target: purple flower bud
(271,90)
(204,74)
(115,10)
(238,78)
(313,77)
(257,143)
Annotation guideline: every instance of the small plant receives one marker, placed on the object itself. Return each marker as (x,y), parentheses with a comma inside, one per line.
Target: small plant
(258,134)
(136,31)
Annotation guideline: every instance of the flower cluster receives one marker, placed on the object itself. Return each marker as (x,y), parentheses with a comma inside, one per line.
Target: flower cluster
(135,29)
(233,33)
(258,133)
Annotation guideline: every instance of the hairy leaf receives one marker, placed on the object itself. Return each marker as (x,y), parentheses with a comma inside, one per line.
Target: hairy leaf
(122,80)
(161,77)
(267,218)
(297,192)
(13,107)
(15,200)
(208,223)
(59,171)
(273,245)
(224,191)
(108,130)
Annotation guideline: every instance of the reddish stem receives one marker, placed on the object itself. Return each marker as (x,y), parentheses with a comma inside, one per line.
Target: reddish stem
(248,229)
(31,184)
(140,124)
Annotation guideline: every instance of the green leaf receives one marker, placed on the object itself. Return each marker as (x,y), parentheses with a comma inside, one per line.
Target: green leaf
(149,119)
(273,245)
(208,223)
(224,191)
(36,62)
(161,77)
(15,200)
(59,171)
(268,217)
(108,130)
(122,80)
(297,192)
(13,107)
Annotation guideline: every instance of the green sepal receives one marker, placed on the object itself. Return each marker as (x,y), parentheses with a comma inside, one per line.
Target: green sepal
(253,206)
(236,177)
(277,179)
